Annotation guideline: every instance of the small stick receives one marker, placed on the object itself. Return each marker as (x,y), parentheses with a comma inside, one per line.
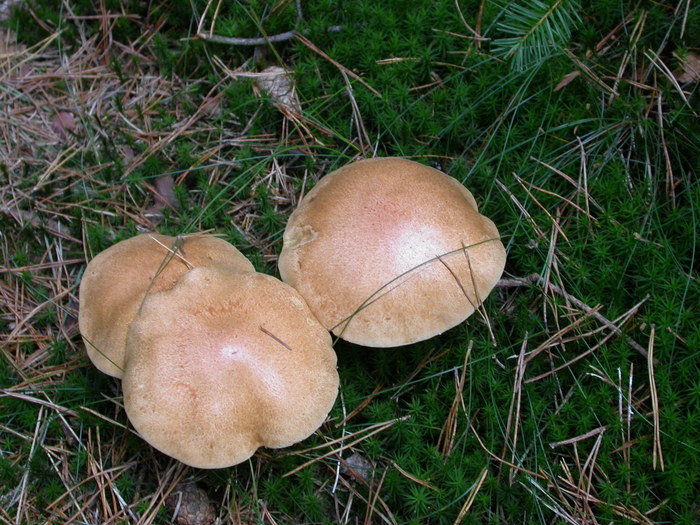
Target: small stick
(576,439)
(273,336)
(260,41)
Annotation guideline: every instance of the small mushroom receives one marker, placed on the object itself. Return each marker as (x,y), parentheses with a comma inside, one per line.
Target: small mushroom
(388,252)
(116,280)
(224,363)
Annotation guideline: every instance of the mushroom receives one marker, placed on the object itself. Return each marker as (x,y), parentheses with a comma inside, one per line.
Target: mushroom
(388,252)
(116,280)
(224,363)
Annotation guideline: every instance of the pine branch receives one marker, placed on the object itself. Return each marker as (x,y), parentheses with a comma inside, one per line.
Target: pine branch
(535,31)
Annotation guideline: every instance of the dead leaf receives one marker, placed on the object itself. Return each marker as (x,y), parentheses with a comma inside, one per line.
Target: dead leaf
(358,467)
(690,67)
(163,195)
(127,152)
(211,106)
(568,78)
(278,84)
(63,123)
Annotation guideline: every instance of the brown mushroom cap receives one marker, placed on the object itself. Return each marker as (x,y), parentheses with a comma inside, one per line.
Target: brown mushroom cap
(224,363)
(388,252)
(117,279)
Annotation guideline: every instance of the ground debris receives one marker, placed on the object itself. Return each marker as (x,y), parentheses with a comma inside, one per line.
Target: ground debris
(190,505)
(689,67)
(357,466)
(277,83)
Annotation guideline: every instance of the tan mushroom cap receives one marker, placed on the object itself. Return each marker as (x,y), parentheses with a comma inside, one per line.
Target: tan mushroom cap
(388,252)
(224,363)
(116,280)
